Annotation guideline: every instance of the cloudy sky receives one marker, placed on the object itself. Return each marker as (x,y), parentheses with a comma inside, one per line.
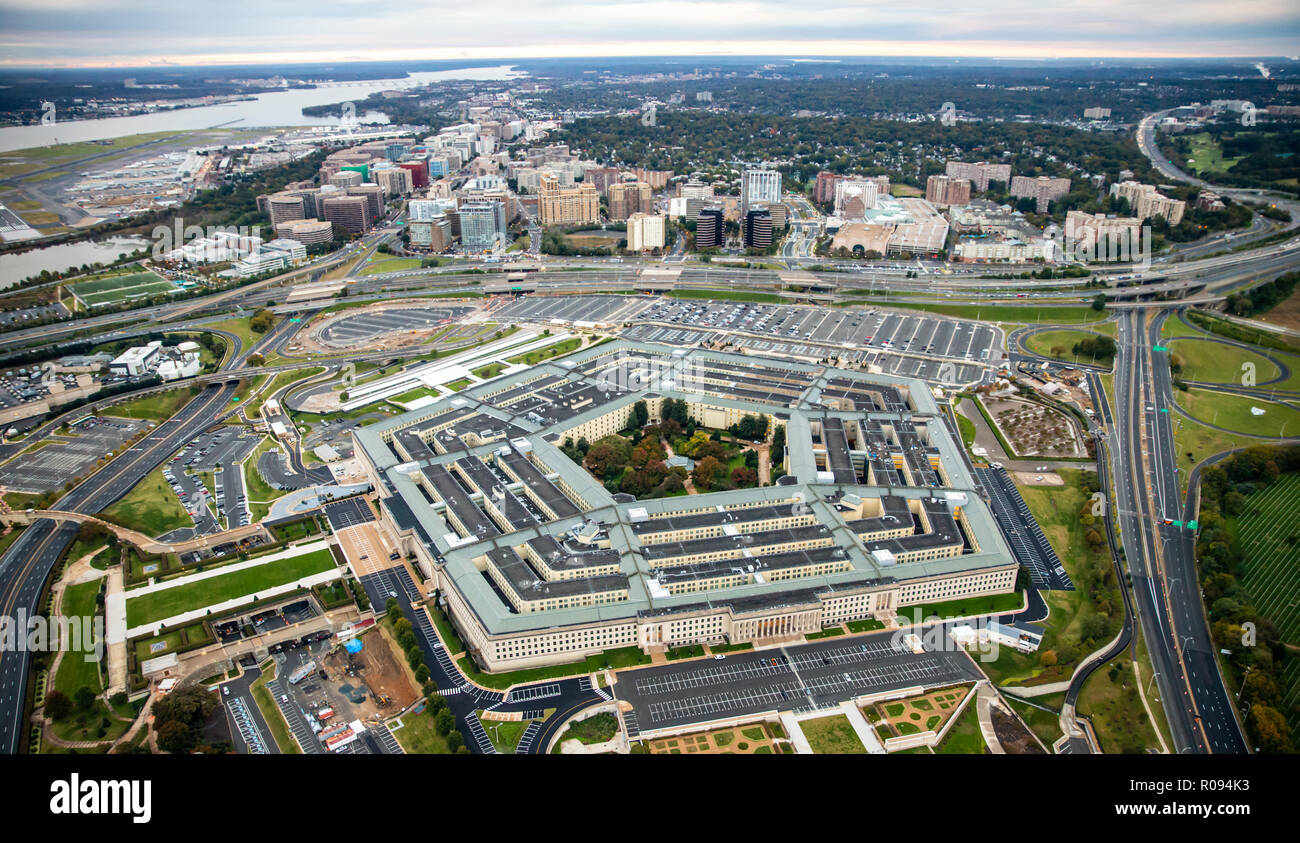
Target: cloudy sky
(140,32)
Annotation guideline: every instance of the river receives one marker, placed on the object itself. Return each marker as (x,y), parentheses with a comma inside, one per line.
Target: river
(278,108)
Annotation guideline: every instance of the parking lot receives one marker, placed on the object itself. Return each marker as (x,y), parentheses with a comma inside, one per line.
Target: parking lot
(64,457)
(219,453)
(1021,530)
(806,677)
(358,329)
(572,308)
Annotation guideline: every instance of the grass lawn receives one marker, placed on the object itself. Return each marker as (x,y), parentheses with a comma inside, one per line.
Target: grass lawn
(1110,698)
(271,712)
(418,737)
(1269,534)
(725,295)
(546,353)
(157,407)
(380,265)
(239,327)
(74,671)
(964,738)
(990,604)
(505,734)
(151,507)
(1044,724)
(1009,313)
(597,728)
(281,380)
(1057,344)
(832,735)
(1206,156)
(188,596)
(612,659)
(1212,362)
(967,429)
(491,370)
(1234,412)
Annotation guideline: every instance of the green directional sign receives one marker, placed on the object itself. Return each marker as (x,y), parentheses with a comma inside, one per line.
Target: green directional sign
(1159,348)
(234,398)
(295,319)
(1192,525)
(1177,523)
(1164,409)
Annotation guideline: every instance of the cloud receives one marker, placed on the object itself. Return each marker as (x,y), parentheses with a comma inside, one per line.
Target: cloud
(98,31)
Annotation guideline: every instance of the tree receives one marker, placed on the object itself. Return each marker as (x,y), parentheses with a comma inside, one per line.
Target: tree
(444,721)
(706,472)
(57,705)
(175,737)
(256,359)
(455,741)
(1099,302)
(640,414)
(84,698)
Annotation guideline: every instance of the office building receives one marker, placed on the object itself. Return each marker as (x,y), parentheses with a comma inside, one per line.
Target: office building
(309,232)
(758,228)
(482,224)
(710,232)
(759,186)
(351,213)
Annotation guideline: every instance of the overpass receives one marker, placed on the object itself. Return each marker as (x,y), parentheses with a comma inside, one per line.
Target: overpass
(140,540)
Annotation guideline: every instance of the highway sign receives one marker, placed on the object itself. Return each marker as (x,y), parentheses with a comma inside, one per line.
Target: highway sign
(1192,525)
(1159,348)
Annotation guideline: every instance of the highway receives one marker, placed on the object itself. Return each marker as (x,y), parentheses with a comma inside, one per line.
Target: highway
(26,566)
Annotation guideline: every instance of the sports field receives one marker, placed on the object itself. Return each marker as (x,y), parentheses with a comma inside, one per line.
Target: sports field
(1269,536)
(186,597)
(116,288)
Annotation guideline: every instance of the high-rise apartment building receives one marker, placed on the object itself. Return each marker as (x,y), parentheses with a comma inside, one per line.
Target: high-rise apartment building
(645,232)
(352,213)
(628,198)
(1146,202)
(980,174)
(578,205)
(944,191)
(1042,189)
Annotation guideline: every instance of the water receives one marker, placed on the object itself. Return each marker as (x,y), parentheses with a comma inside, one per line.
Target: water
(279,108)
(14,268)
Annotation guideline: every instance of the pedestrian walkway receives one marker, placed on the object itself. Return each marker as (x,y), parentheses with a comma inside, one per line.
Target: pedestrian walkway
(797,738)
(864,730)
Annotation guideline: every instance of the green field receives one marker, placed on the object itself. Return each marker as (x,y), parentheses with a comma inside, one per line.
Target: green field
(186,597)
(1206,155)
(151,508)
(1233,413)
(1058,345)
(1213,362)
(832,735)
(116,288)
(964,738)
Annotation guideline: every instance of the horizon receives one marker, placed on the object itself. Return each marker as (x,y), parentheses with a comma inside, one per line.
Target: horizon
(57,34)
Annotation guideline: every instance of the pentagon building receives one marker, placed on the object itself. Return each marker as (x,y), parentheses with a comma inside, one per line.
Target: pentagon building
(537,563)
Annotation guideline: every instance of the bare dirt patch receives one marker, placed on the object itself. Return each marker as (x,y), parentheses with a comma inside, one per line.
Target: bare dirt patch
(380,668)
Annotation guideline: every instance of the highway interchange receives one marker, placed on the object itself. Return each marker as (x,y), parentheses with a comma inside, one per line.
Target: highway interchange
(1137,438)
